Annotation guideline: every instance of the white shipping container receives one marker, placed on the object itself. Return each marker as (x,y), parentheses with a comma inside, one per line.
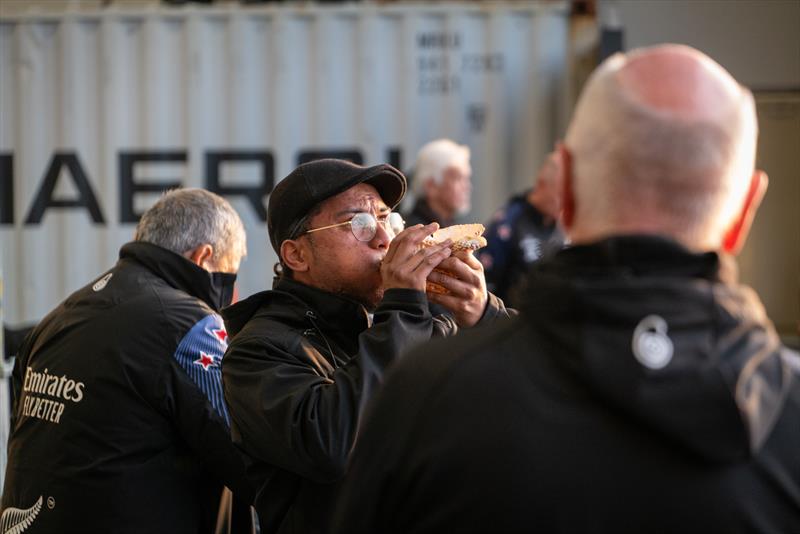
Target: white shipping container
(101,110)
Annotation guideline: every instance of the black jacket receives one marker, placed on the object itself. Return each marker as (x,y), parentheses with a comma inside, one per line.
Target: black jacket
(301,365)
(518,236)
(119,424)
(640,390)
(421,213)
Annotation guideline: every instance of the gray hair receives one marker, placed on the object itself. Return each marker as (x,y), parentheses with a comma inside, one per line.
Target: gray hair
(434,158)
(184,219)
(632,160)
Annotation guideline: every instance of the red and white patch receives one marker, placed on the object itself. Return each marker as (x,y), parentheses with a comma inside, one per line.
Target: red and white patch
(205,360)
(220,334)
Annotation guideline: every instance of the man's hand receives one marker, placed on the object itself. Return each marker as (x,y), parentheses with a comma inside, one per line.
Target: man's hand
(468,296)
(407,264)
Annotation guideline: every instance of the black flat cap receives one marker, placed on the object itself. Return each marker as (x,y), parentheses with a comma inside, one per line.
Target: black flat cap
(311,183)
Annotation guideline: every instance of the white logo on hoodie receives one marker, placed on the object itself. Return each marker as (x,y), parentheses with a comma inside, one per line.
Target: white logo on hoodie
(101,284)
(651,346)
(17,521)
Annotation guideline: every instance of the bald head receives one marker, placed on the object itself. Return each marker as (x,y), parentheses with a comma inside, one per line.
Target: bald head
(662,141)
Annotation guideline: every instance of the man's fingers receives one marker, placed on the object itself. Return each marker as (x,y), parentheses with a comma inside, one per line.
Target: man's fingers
(408,241)
(469,273)
(427,259)
(468,258)
(398,240)
(456,287)
(418,232)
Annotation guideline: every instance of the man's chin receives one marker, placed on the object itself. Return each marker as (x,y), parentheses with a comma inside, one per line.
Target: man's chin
(369,300)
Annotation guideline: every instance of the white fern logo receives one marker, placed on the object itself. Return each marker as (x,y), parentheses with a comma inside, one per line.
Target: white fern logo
(16,521)
(101,284)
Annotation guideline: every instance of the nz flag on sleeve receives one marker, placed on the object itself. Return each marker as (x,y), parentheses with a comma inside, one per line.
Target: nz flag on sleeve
(200,355)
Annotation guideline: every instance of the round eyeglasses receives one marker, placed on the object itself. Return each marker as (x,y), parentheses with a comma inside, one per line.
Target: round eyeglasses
(364,225)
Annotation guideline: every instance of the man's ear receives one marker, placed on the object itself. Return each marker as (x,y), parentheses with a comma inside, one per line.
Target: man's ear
(735,236)
(200,255)
(294,255)
(567,196)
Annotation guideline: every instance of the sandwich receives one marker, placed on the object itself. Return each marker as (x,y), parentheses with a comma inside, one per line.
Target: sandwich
(466,238)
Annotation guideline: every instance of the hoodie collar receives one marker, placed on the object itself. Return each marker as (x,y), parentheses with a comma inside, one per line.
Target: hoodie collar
(215,289)
(340,318)
(724,382)
(642,255)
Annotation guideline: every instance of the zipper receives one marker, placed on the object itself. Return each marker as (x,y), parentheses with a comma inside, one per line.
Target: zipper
(311,316)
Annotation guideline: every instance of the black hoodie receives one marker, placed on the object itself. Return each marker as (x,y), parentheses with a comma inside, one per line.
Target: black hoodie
(640,390)
(119,424)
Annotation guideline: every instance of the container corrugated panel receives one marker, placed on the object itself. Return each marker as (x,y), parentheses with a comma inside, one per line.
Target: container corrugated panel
(100,110)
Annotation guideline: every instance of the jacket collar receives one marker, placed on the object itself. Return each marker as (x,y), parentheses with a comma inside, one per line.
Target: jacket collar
(603,305)
(215,289)
(339,317)
(423,210)
(641,255)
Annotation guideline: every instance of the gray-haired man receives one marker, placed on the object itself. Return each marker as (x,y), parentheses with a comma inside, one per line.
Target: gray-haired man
(119,422)
(442,184)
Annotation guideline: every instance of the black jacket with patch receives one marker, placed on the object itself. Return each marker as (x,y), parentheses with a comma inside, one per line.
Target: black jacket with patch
(517,237)
(640,390)
(300,368)
(119,424)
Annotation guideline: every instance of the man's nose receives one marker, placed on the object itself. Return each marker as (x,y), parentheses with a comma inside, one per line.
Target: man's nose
(383,235)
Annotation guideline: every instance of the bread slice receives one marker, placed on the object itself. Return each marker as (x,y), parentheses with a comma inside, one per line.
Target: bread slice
(465,237)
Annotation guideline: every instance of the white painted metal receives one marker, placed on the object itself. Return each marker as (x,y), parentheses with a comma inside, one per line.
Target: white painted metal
(6,367)
(280,79)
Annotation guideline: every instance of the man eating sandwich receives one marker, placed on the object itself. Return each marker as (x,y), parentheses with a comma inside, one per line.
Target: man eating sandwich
(349,301)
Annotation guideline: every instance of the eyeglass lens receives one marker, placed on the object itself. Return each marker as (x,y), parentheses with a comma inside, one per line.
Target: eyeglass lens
(364,225)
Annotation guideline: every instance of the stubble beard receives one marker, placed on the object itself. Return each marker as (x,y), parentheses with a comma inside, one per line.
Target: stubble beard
(369,297)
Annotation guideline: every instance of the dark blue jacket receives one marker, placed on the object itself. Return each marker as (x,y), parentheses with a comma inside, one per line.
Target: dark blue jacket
(517,237)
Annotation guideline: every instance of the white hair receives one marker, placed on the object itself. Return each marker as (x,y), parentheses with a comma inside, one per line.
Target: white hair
(634,160)
(434,158)
(184,219)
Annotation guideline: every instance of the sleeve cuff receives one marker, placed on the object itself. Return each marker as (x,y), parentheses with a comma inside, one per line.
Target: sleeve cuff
(495,308)
(402,297)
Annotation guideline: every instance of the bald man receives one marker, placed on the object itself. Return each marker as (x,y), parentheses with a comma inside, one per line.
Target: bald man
(642,389)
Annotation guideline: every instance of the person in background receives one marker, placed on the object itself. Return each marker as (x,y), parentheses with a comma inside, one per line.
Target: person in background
(522,232)
(306,356)
(641,388)
(13,338)
(119,422)
(442,185)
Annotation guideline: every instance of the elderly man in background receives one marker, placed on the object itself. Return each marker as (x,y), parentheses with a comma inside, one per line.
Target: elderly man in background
(641,389)
(306,356)
(119,423)
(442,186)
